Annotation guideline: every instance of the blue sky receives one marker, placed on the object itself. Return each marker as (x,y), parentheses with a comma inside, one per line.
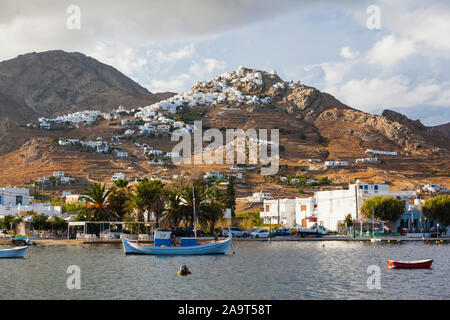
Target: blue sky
(168,45)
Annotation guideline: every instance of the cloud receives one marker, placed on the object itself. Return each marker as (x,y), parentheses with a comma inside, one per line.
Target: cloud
(175,83)
(174,56)
(208,67)
(347,53)
(41,25)
(389,50)
(375,94)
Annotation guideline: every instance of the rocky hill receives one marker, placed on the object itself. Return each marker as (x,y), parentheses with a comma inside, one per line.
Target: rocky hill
(249,98)
(313,125)
(444,129)
(57,82)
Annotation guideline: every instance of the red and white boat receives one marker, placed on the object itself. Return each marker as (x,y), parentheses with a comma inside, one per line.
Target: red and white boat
(418,264)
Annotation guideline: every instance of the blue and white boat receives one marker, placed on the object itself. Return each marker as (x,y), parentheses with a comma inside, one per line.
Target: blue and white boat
(188,246)
(18,252)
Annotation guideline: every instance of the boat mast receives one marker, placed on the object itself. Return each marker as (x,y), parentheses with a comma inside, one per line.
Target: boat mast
(195,215)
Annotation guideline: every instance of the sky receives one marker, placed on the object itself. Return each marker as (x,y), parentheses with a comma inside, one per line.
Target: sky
(371,55)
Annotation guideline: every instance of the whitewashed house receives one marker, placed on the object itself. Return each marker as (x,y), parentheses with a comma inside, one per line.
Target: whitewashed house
(374,159)
(260,196)
(334,206)
(279,211)
(14,201)
(118,175)
(102,149)
(122,154)
(385,153)
(155,153)
(213,175)
(306,212)
(336,163)
(58,174)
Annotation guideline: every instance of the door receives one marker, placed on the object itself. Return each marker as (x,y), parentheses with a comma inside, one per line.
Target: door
(304,223)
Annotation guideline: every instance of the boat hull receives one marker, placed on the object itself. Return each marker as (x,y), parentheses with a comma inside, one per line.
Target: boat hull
(13,253)
(220,247)
(421,264)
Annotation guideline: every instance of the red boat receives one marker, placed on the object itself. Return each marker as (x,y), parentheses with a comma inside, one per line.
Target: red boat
(418,264)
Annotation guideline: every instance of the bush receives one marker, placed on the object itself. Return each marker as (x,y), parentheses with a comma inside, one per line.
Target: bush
(438,208)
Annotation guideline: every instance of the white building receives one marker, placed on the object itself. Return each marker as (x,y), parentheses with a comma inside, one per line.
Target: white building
(259,196)
(213,175)
(155,152)
(306,212)
(102,149)
(375,159)
(336,163)
(58,174)
(334,206)
(386,153)
(15,201)
(432,187)
(279,211)
(118,175)
(122,154)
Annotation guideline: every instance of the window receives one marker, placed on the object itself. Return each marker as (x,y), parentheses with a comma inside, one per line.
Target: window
(376,187)
(1,200)
(267,208)
(18,200)
(303,207)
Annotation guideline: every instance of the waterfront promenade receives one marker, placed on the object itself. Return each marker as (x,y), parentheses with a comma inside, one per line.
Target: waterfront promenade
(205,239)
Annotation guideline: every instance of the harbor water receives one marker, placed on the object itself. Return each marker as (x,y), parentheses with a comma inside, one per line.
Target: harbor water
(257,270)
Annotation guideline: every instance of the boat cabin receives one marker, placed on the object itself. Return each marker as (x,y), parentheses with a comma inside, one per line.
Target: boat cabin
(163,238)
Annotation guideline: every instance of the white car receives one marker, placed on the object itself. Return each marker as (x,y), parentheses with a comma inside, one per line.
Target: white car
(260,233)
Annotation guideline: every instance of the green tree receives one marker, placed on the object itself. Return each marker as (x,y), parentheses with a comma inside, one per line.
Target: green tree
(383,208)
(40,222)
(10,222)
(212,208)
(148,197)
(58,223)
(438,208)
(97,208)
(348,220)
(118,198)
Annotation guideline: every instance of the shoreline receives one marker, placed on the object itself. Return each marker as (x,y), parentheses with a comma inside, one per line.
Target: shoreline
(44,242)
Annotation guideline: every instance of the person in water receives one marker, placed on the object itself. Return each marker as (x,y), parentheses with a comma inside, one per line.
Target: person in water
(184,271)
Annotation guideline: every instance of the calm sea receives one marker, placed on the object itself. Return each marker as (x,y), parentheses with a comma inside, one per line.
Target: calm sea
(257,270)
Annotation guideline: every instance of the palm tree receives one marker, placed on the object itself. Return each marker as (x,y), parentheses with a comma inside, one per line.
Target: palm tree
(118,198)
(97,202)
(148,197)
(10,222)
(212,208)
(173,215)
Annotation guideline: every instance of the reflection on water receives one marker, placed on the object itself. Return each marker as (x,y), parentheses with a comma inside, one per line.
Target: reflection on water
(258,270)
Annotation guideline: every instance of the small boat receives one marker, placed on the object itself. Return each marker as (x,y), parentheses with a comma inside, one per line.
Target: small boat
(18,252)
(418,264)
(218,247)
(19,238)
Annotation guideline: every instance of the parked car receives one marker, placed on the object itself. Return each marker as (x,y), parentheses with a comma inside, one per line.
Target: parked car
(250,231)
(186,232)
(280,232)
(237,232)
(260,233)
